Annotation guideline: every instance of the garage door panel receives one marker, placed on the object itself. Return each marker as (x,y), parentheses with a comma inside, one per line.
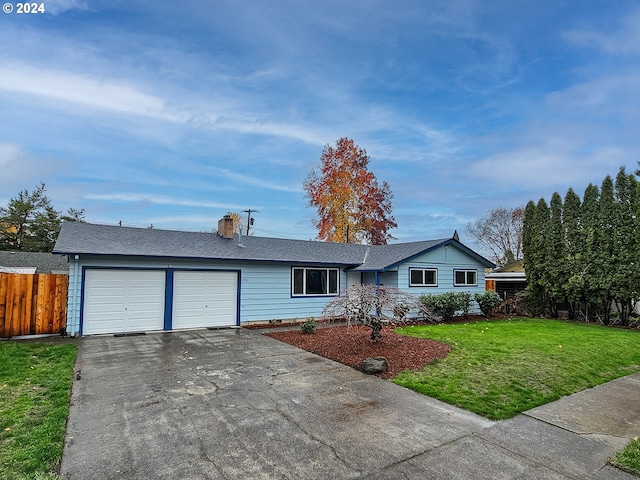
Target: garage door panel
(123,300)
(204,299)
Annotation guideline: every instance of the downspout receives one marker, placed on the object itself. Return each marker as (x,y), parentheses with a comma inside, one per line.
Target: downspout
(73,301)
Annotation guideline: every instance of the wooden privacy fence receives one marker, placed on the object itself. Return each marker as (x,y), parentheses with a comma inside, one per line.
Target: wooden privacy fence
(32,304)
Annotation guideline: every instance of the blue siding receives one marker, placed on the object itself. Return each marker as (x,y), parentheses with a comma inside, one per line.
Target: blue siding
(73,298)
(264,293)
(388,279)
(445,260)
(265,287)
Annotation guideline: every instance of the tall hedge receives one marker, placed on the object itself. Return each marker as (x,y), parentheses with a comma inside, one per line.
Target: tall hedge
(585,254)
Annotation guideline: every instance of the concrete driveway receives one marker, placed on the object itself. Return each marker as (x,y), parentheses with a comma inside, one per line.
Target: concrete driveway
(234,404)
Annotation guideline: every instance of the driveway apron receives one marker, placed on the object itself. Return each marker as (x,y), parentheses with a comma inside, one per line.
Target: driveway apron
(234,404)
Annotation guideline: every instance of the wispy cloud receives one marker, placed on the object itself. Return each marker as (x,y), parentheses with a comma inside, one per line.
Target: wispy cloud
(84,90)
(57,7)
(623,39)
(130,98)
(613,93)
(159,200)
(255,126)
(244,180)
(461,104)
(554,165)
(22,168)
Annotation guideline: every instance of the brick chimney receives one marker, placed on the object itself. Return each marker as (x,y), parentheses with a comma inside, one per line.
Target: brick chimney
(225,227)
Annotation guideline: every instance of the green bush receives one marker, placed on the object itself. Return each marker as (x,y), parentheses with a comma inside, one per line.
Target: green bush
(309,326)
(465,299)
(446,304)
(487,301)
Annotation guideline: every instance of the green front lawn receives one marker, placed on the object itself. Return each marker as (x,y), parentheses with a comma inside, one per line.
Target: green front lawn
(35,386)
(501,368)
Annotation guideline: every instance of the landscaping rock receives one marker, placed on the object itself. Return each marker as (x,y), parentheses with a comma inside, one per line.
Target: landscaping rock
(375,365)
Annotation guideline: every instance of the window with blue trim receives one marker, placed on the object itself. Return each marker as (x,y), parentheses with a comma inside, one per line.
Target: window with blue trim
(314,281)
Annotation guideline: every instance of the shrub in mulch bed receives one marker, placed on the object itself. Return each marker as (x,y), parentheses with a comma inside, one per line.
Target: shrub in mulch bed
(350,345)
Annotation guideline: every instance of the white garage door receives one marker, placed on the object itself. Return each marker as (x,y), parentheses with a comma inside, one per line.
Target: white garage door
(123,301)
(204,299)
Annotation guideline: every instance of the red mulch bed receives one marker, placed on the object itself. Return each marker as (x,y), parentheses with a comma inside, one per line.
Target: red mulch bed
(351,345)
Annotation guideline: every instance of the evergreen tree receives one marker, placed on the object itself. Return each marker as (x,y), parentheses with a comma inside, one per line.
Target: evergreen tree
(636,228)
(556,273)
(625,281)
(44,231)
(574,251)
(590,239)
(606,256)
(536,255)
(530,260)
(585,253)
(30,223)
(527,234)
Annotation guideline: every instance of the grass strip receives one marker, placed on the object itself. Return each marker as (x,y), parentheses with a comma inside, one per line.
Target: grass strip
(501,368)
(35,388)
(629,457)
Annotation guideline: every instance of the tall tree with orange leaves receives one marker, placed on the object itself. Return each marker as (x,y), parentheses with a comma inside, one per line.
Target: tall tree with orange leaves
(352,207)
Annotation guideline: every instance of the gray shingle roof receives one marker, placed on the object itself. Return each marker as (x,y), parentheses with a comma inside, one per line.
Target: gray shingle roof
(86,238)
(44,262)
(381,257)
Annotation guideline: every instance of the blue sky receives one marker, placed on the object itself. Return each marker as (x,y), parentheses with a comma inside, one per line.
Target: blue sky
(174,113)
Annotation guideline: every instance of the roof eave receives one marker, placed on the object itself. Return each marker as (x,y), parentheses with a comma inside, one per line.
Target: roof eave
(215,259)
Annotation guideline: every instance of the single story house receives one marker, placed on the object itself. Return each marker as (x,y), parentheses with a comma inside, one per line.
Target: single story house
(124,279)
(32,262)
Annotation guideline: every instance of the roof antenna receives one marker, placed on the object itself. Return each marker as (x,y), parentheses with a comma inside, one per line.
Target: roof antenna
(240,244)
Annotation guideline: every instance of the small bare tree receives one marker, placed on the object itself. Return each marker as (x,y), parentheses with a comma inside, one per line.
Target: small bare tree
(500,233)
(375,306)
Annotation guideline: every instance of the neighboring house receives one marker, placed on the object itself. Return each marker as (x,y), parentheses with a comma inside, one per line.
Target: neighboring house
(507,281)
(132,279)
(32,262)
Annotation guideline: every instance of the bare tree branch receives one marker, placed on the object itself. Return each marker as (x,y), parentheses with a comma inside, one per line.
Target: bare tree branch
(500,233)
(374,306)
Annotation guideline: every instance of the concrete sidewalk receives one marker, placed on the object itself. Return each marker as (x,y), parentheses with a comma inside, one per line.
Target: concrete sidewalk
(234,404)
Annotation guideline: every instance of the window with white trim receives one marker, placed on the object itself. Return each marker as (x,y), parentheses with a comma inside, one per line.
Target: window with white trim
(464,278)
(314,281)
(423,277)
